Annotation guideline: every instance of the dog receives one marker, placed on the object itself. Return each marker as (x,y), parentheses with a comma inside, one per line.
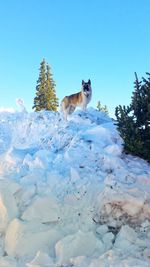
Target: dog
(81,99)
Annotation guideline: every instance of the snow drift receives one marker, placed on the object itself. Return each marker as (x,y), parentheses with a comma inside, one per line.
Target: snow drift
(68,195)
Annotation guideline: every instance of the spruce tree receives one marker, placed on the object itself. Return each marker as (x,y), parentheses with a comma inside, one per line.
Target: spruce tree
(45,98)
(133,121)
(51,98)
(39,100)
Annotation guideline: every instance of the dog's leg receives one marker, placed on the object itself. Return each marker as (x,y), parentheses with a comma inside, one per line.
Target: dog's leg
(84,107)
(71,109)
(64,110)
(65,115)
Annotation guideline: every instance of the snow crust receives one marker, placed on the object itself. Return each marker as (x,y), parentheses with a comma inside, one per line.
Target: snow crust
(69,197)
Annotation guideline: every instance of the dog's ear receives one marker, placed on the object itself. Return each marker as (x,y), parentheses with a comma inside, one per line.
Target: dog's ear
(89,82)
(83,82)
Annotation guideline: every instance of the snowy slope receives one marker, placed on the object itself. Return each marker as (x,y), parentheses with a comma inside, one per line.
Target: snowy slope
(68,195)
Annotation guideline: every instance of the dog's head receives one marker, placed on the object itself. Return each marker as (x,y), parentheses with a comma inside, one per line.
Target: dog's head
(86,87)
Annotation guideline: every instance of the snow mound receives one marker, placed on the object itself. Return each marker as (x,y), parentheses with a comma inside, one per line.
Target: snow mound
(68,194)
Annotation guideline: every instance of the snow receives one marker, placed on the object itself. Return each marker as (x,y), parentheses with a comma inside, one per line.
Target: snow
(69,196)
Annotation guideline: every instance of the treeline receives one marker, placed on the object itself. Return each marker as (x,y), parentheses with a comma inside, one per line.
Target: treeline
(132,121)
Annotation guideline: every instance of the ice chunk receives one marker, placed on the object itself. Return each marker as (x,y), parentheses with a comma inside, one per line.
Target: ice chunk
(8,261)
(41,259)
(8,208)
(126,238)
(24,239)
(78,244)
(43,209)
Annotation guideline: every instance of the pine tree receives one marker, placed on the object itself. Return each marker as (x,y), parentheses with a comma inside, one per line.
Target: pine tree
(102,108)
(39,100)
(45,90)
(133,121)
(51,98)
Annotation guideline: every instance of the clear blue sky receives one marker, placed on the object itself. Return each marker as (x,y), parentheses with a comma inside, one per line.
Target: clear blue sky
(104,40)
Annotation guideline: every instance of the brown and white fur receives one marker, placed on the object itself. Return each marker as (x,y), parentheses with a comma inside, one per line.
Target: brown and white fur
(81,99)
